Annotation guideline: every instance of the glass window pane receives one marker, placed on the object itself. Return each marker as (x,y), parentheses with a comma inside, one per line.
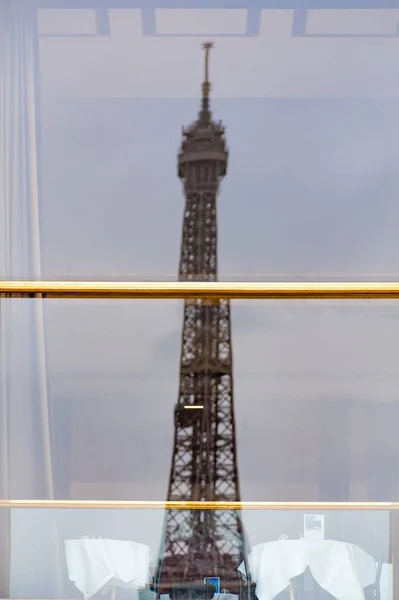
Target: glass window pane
(313,386)
(282,402)
(58,553)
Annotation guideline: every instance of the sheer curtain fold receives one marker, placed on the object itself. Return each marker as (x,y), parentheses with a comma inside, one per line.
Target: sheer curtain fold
(25,446)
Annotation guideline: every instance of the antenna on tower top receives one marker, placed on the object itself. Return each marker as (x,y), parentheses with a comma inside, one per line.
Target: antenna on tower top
(206,86)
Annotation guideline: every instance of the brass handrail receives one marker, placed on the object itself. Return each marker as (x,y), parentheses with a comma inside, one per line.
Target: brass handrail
(168,505)
(206,290)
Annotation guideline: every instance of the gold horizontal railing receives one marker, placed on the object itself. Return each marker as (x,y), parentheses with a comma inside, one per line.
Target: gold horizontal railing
(206,290)
(167,505)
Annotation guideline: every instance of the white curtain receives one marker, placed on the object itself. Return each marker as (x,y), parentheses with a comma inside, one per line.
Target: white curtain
(25,441)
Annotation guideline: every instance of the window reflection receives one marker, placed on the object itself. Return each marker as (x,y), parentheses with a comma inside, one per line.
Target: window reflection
(86,388)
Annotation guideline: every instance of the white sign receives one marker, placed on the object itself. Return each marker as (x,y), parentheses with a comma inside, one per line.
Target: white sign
(313,527)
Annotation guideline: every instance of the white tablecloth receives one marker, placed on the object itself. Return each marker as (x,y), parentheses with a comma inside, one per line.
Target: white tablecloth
(344,570)
(98,564)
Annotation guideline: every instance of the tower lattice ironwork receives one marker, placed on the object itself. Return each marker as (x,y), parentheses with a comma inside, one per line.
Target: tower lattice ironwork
(203,543)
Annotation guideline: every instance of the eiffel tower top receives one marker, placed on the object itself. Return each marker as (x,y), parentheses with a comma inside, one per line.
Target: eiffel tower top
(204,139)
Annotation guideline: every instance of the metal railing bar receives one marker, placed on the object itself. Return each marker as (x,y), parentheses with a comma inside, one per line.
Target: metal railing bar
(204,290)
(168,505)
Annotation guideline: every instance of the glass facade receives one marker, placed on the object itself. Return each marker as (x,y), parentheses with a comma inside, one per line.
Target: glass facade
(276,419)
